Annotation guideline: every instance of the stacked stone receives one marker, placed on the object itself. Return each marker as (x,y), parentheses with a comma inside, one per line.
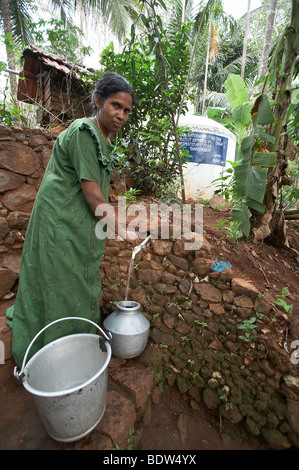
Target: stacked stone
(195,313)
(24,154)
(195,344)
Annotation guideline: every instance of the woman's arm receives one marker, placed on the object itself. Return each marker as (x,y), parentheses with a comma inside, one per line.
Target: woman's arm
(94,197)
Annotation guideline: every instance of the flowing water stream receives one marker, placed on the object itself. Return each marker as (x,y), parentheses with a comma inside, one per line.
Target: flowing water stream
(129,277)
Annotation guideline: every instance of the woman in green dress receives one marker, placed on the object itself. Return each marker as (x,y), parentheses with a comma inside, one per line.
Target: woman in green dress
(60,265)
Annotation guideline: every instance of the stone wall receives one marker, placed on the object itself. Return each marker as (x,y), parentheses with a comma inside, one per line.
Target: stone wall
(194,341)
(195,312)
(24,154)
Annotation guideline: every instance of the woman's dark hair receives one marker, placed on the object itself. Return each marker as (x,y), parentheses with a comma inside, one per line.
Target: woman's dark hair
(108,85)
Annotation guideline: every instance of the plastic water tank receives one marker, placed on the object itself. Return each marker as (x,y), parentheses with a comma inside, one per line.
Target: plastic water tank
(211,145)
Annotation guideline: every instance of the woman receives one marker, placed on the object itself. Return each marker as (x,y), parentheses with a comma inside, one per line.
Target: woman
(60,265)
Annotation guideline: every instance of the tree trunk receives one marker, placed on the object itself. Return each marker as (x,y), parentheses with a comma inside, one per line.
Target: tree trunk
(206,70)
(6,18)
(268,35)
(245,41)
(272,223)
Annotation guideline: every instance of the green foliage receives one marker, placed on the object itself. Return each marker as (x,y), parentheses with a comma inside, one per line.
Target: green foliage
(150,131)
(225,184)
(282,302)
(293,117)
(231,229)
(251,173)
(60,38)
(10,113)
(248,184)
(248,326)
(290,193)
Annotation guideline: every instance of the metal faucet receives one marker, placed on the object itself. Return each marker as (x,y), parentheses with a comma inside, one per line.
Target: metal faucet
(139,247)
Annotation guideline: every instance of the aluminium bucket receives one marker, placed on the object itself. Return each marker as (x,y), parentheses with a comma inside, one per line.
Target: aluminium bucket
(68,379)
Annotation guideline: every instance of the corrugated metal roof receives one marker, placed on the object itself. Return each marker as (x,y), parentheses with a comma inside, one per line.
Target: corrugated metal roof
(58,62)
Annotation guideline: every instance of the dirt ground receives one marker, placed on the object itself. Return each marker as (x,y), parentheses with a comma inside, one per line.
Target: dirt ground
(174,425)
(270,269)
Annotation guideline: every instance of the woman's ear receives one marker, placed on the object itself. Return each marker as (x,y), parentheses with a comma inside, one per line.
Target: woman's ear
(98,100)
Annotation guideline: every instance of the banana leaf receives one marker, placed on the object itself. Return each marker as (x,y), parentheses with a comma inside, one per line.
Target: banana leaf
(257,206)
(236,92)
(251,173)
(263,159)
(242,115)
(242,172)
(265,114)
(257,183)
(241,214)
(264,136)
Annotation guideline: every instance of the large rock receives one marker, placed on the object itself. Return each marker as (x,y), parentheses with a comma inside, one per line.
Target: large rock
(21,199)
(242,287)
(202,266)
(210,293)
(276,439)
(210,398)
(137,383)
(18,158)
(10,180)
(12,263)
(7,280)
(18,219)
(161,247)
(118,420)
(4,229)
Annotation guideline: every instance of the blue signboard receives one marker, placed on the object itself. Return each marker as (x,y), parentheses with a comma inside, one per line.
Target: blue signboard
(205,148)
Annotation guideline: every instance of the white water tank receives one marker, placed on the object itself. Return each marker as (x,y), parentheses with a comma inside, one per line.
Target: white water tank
(211,145)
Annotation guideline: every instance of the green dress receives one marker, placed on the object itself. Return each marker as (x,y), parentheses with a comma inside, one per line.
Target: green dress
(60,265)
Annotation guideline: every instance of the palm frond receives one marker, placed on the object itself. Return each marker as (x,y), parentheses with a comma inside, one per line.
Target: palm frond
(120,15)
(21,11)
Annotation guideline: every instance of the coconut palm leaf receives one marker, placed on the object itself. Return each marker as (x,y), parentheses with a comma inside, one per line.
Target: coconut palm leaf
(20,12)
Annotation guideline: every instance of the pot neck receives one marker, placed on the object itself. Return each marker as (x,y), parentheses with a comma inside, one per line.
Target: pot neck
(128,306)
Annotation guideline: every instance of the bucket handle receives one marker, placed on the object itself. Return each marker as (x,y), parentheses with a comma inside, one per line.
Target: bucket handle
(20,374)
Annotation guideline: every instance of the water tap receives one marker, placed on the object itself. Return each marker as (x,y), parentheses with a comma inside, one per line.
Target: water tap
(139,247)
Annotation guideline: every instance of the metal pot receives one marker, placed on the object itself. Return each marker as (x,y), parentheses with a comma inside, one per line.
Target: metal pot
(129,329)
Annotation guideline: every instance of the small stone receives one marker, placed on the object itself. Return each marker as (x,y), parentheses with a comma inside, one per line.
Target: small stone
(292,415)
(210,398)
(231,414)
(210,293)
(292,382)
(276,439)
(242,287)
(243,301)
(161,247)
(252,427)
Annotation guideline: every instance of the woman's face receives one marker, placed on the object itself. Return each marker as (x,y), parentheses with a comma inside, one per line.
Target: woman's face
(114,112)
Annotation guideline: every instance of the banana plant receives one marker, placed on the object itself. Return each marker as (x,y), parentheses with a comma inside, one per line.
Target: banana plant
(251,172)
(248,121)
